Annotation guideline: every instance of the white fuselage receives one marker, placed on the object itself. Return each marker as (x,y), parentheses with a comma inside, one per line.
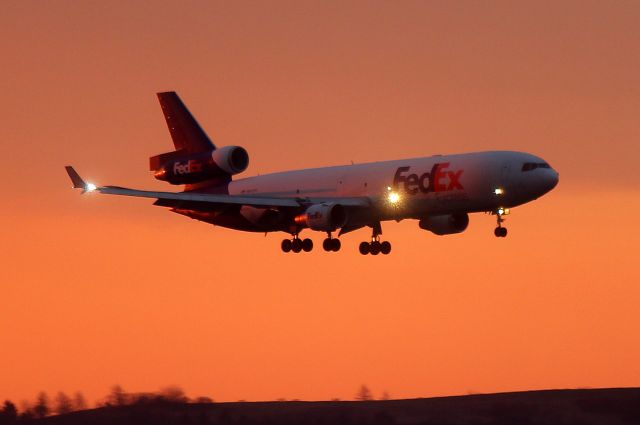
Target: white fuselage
(435,185)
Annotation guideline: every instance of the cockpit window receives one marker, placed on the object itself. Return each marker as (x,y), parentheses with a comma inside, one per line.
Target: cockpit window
(528,166)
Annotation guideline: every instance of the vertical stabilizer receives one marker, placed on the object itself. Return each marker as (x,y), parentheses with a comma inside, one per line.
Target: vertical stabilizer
(185,131)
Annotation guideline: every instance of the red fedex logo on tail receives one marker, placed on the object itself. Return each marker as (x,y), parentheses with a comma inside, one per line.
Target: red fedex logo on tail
(191,166)
(439,179)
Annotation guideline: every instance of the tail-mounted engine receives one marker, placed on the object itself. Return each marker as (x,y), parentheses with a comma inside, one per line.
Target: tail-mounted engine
(445,224)
(180,167)
(323,217)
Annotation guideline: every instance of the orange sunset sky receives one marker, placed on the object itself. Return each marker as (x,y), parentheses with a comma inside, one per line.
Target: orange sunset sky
(98,290)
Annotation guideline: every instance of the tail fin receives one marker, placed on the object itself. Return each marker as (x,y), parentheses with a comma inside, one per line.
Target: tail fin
(185,131)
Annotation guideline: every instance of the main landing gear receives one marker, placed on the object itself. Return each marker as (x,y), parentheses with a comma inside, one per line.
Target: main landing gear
(375,247)
(296,244)
(501,232)
(331,244)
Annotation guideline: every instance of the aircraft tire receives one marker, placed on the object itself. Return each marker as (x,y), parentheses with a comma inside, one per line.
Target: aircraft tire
(307,245)
(375,248)
(296,245)
(335,245)
(286,245)
(503,233)
(326,244)
(364,248)
(385,247)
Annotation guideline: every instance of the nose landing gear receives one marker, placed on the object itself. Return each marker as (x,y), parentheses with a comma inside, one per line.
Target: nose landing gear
(501,232)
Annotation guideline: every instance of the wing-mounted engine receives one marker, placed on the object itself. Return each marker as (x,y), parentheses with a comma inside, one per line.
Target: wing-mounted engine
(323,217)
(445,224)
(180,167)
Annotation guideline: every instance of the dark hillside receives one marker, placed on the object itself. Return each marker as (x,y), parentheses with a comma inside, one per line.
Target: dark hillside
(553,407)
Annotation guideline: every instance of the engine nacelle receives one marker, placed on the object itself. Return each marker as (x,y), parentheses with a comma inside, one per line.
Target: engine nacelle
(231,159)
(323,217)
(445,224)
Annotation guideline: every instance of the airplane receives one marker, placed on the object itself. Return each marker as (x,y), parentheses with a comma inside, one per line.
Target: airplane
(439,191)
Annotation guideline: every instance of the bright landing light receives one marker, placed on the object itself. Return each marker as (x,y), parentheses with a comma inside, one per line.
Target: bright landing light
(498,191)
(394,197)
(90,187)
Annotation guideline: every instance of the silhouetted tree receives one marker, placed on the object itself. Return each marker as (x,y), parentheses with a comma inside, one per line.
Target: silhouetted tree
(117,396)
(364,394)
(9,413)
(385,396)
(174,394)
(63,404)
(41,409)
(79,402)
(203,399)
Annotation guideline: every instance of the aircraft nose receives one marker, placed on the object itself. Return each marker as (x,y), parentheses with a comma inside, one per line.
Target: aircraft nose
(551,180)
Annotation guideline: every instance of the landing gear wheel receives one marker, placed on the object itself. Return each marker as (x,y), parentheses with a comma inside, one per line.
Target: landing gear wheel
(500,231)
(326,244)
(286,245)
(307,245)
(296,245)
(331,244)
(375,247)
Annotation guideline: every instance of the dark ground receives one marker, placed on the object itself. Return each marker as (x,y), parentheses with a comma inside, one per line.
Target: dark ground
(553,407)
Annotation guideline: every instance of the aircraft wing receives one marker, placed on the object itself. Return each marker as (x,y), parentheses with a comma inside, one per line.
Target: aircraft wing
(201,197)
(206,200)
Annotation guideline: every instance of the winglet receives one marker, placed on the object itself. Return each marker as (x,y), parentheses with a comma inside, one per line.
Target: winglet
(77,181)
